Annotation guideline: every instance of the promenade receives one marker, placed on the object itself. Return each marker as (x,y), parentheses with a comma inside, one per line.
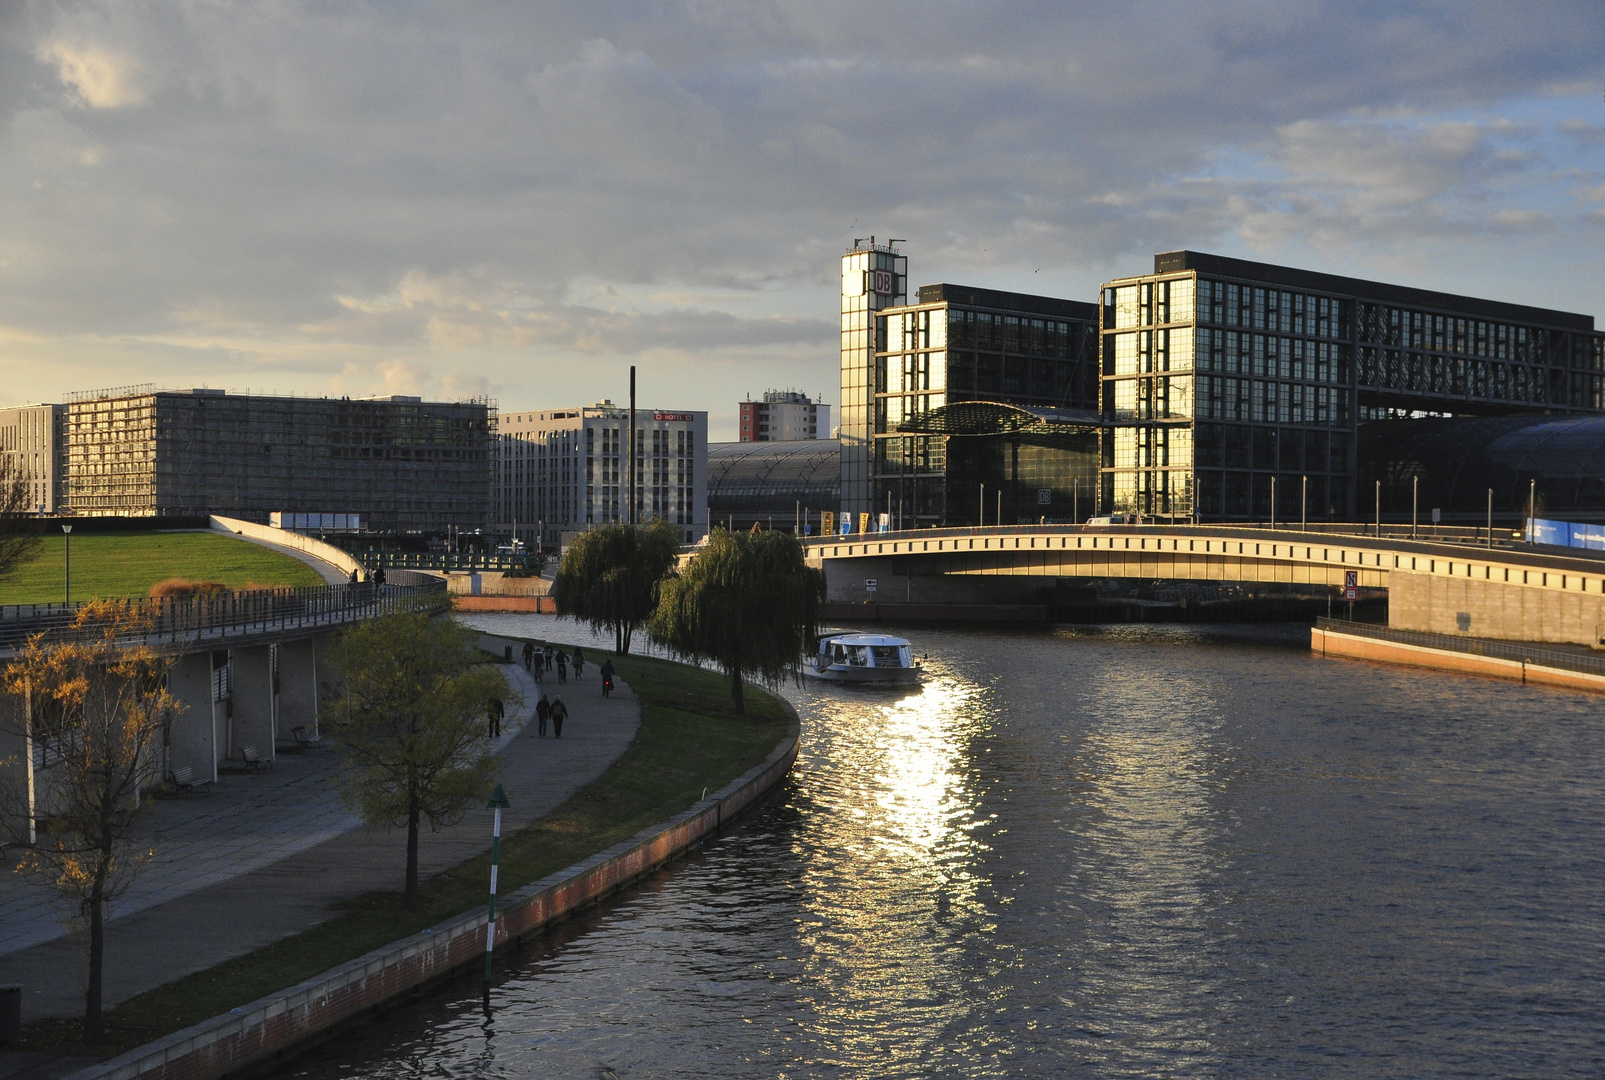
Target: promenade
(273,853)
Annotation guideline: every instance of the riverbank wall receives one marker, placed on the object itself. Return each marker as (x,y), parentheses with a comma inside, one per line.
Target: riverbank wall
(255,1035)
(1328,642)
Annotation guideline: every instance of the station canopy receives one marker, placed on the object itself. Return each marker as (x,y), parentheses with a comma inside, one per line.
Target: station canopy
(982,418)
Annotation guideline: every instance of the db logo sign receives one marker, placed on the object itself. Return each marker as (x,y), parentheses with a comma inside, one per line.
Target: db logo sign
(883,282)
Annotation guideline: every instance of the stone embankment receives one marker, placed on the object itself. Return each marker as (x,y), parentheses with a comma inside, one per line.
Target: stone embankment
(273,1026)
(1536,665)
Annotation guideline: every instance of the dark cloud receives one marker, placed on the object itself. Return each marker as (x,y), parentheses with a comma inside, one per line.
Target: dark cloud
(319,192)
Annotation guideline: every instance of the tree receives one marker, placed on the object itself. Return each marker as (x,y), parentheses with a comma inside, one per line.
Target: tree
(609,577)
(748,602)
(411,720)
(18,536)
(98,706)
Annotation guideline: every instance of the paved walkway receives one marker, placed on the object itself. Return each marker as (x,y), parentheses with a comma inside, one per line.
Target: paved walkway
(272,854)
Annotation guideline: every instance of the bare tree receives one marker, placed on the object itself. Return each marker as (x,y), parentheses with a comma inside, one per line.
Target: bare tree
(18,536)
(97,704)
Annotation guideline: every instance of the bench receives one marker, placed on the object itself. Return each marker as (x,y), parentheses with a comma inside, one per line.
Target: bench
(253,758)
(304,738)
(184,780)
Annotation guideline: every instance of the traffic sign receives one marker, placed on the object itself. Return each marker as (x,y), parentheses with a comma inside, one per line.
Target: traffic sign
(1351,584)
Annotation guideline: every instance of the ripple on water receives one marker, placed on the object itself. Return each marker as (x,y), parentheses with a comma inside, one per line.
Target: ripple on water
(1157,851)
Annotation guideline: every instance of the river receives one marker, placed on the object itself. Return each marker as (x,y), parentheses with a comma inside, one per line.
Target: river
(1101,852)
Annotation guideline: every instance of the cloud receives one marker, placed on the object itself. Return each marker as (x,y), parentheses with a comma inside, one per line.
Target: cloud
(100,77)
(535,197)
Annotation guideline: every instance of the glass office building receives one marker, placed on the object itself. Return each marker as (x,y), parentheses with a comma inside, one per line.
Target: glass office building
(1024,366)
(1225,379)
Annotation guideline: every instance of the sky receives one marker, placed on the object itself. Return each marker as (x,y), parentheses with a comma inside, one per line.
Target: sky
(520,200)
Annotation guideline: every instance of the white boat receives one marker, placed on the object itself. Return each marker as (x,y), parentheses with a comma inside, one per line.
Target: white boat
(863,660)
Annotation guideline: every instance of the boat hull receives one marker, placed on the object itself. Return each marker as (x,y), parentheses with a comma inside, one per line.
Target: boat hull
(865,676)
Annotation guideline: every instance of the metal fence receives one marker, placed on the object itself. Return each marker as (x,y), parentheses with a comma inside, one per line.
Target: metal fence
(445,560)
(221,616)
(1503,650)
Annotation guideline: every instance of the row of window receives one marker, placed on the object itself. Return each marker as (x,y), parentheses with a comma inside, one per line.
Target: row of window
(1405,328)
(1264,401)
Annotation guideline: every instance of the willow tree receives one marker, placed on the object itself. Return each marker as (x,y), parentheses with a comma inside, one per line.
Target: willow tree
(609,577)
(748,602)
(411,721)
(98,704)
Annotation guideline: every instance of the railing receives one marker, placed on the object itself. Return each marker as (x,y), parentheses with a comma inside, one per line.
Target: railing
(1503,650)
(444,560)
(213,616)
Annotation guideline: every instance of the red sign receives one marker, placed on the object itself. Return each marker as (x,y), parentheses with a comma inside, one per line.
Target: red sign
(673,416)
(884,282)
(1351,584)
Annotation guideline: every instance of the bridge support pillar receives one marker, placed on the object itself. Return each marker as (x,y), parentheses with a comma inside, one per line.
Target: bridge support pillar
(193,739)
(255,712)
(298,688)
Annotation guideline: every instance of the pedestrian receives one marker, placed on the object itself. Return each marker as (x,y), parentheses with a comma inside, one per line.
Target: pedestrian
(543,709)
(529,652)
(562,666)
(379,577)
(579,663)
(551,654)
(494,711)
(607,677)
(559,714)
(351,579)
(539,659)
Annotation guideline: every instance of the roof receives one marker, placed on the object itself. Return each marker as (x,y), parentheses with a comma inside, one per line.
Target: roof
(998,418)
(773,468)
(1170,262)
(998,300)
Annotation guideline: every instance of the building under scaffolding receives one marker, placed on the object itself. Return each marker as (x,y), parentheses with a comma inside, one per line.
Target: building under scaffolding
(402,463)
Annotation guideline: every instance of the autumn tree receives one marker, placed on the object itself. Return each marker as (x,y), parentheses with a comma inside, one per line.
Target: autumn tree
(748,602)
(18,534)
(411,721)
(609,576)
(97,703)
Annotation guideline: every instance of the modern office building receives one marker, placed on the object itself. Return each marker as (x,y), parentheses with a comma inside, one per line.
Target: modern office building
(30,442)
(564,470)
(783,416)
(1224,379)
(979,405)
(403,464)
(773,485)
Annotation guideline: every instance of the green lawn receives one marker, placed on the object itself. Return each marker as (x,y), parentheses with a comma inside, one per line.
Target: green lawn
(690,741)
(128,564)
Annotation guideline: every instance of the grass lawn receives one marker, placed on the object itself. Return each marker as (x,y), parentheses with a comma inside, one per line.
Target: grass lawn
(128,564)
(689,740)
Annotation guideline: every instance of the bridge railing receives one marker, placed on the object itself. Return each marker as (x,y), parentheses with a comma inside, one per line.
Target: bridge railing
(1503,650)
(177,619)
(447,560)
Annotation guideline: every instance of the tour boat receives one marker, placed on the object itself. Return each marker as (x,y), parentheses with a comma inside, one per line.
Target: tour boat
(863,660)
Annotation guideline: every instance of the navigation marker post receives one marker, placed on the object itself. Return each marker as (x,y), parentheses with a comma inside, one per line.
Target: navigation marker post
(498,802)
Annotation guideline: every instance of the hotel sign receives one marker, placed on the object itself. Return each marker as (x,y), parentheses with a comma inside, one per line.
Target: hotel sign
(673,416)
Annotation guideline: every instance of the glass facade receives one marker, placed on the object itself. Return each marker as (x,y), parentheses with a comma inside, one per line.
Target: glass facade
(964,344)
(874,277)
(1226,380)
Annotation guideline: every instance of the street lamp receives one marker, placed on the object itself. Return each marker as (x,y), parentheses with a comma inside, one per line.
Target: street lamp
(67,529)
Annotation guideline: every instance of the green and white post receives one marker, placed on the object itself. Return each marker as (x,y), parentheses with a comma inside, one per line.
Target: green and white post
(498,802)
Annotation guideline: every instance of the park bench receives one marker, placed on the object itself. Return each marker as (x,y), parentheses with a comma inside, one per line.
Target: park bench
(304,738)
(184,780)
(253,758)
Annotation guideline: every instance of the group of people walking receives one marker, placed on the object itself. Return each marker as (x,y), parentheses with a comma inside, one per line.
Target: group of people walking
(539,661)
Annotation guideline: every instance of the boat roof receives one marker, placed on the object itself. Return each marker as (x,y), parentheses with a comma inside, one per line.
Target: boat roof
(866,639)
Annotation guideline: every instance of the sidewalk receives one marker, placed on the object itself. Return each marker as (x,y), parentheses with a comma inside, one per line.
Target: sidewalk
(269,859)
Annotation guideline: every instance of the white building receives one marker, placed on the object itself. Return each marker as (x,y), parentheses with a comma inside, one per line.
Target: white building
(565,470)
(30,438)
(783,416)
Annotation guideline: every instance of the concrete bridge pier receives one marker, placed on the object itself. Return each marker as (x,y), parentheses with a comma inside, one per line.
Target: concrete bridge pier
(297,686)
(256,708)
(194,739)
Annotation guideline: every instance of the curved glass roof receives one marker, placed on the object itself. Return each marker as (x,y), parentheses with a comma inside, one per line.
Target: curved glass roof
(996,418)
(807,469)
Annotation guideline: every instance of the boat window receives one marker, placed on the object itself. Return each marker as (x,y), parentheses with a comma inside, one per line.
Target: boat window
(905,655)
(886,656)
(838,653)
(859,656)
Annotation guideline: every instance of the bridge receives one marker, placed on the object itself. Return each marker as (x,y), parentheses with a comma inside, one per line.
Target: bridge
(1449,581)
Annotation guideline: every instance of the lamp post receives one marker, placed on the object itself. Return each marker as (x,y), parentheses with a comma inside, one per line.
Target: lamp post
(67,529)
(1490,517)
(1379,508)
(981,523)
(1304,505)
(498,802)
(1415,499)
(1273,502)
(1532,504)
